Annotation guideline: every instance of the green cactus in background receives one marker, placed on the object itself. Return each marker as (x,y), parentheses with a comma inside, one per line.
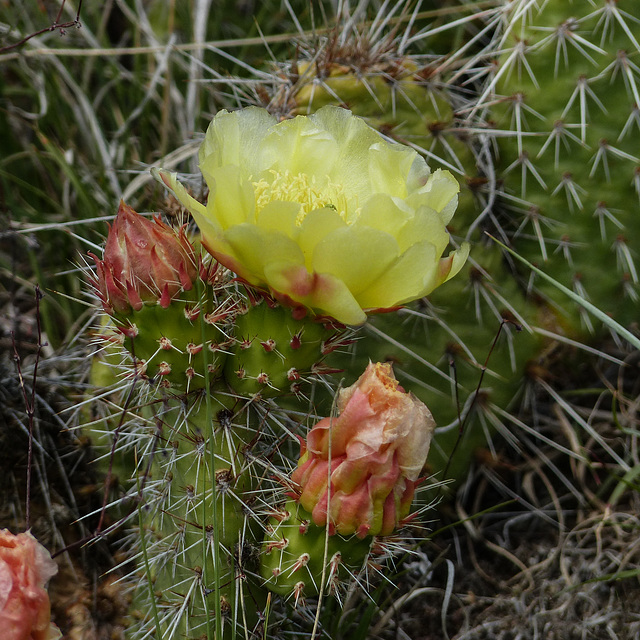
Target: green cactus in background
(566,89)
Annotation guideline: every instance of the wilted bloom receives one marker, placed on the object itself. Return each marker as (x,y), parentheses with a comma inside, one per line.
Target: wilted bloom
(373,452)
(25,569)
(144,261)
(323,212)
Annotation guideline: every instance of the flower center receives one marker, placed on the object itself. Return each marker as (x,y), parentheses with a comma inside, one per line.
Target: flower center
(304,190)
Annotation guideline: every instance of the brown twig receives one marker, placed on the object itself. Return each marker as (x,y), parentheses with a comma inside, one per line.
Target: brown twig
(56,25)
(29,402)
(483,370)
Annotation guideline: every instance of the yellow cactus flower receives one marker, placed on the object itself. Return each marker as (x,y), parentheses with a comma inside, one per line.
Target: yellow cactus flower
(322,212)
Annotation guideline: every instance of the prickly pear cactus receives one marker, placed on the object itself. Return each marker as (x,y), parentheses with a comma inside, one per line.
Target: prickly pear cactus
(182,320)
(212,382)
(541,126)
(184,443)
(563,99)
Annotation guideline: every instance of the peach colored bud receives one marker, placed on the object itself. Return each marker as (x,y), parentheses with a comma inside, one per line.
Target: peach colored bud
(373,451)
(145,261)
(25,569)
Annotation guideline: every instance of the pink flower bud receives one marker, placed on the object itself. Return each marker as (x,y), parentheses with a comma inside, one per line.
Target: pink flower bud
(25,569)
(373,453)
(144,261)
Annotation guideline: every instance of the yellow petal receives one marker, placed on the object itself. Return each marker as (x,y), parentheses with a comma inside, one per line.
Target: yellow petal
(384,213)
(457,259)
(418,174)
(406,225)
(323,293)
(299,146)
(389,166)
(256,248)
(355,138)
(279,216)
(409,278)
(314,228)
(424,225)
(357,255)
(439,193)
(170,180)
(233,138)
(234,202)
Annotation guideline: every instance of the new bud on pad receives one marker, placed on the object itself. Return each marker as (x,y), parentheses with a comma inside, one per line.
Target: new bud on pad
(373,452)
(145,261)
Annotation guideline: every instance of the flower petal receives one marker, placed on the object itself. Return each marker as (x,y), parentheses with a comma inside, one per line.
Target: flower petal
(409,278)
(170,180)
(451,265)
(424,225)
(280,217)
(385,213)
(317,225)
(440,193)
(233,203)
(233,138)
(256,249)
(350,165)
(356,254)
(319,291)
(300,146)
(389,166)
(416,274)
(407,225)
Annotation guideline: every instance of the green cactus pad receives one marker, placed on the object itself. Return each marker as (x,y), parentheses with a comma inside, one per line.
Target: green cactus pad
(275,353)
(297,555)
(565,101)
(168,344)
